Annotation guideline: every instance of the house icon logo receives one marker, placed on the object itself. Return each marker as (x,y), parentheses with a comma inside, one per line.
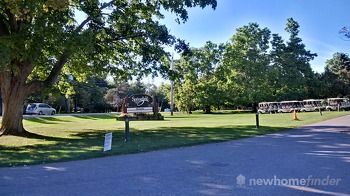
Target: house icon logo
(240,180)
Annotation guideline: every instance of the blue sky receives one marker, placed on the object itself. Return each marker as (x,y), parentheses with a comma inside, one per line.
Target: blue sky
(319,20)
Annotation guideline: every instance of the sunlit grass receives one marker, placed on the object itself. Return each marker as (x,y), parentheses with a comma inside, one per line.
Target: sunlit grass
(81,137)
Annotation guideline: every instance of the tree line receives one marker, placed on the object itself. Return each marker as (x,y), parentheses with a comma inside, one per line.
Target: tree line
(43,44)
(253,66)
(256,65)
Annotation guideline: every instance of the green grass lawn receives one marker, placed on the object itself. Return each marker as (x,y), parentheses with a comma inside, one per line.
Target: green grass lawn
(82,137)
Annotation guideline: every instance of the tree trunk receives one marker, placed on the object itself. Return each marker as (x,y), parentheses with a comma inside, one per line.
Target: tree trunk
(0,104)
(207,109)
(13,96)
(67,102)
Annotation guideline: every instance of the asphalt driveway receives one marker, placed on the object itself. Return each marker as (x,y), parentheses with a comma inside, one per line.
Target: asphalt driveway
(312,160)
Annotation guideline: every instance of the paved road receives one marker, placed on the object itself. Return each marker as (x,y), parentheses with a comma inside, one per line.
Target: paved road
(315,154)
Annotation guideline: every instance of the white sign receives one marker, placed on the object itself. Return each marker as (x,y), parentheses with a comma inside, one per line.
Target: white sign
(108,142)
(139,101)
(139,110)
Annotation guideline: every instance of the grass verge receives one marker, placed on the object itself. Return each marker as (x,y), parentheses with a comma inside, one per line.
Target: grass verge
(81,137)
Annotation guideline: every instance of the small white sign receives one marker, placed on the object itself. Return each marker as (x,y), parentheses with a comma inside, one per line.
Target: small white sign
(108,142)
(140,110)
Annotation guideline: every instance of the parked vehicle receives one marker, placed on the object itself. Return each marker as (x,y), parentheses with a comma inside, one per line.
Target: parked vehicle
(311,105)
(334,103)
(289,106)
(268,107)
(40,109)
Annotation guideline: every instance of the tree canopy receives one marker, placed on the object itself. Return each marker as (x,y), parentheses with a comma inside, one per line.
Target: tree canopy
(42,41)
(253,66)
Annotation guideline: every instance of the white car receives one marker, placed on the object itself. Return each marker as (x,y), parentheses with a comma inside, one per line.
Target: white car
(40,109)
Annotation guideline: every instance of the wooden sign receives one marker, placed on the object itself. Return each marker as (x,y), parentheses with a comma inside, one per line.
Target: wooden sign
(140,103)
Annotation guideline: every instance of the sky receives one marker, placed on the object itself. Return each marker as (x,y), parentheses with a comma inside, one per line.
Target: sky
(319,20)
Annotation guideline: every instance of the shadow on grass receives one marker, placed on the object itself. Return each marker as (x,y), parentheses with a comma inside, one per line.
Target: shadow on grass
(89,144)
(196,113)
(46,120)
(233,112)
(31,135)
(188,116)
(94,117)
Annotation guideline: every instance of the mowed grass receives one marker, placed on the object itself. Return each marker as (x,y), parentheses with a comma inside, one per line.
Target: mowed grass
(81,137)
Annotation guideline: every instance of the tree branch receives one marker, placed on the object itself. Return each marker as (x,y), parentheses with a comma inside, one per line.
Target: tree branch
(105,5)
(117,37)
(81,26)
(12,21)
(3,27)
(62,60)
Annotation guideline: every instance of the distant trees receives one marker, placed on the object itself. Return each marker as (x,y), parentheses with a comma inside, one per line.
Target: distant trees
(246,64)
(116,94)
(42,40)
(254,66)
(290,61)
(75,96)
(198,83)
(336,78)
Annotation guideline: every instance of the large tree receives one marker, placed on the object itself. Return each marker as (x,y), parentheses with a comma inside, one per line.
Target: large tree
(337,75)
(291,68)
(246,62)
(40,38)
(199,76)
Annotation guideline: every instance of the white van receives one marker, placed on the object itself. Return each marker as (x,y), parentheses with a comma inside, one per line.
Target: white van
(290,106)
(40,109)
(334,103)
(311,105)
(268,107)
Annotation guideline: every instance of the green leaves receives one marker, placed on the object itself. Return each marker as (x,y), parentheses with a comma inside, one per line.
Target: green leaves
(247,63)
(291,68)
(199,85)
(337,75)
(253,66)
(119,37)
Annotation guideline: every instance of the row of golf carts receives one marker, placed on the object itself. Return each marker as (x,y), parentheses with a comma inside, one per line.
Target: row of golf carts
(308,105)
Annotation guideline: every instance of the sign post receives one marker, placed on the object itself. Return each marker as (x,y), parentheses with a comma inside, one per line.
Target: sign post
(257,120)
(138,105)
(127,131)
(338,107)
(172,89)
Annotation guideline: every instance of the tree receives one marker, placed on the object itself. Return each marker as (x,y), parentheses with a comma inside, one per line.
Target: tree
(185,95)
(89,95)
(291,65)
(246,62)
(41,39)
(337,75)
(207,61)
(185,82)
(199,69)
(163,93)
(115,96)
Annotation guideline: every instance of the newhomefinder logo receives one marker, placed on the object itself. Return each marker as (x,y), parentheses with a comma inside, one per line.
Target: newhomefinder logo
(242,181)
